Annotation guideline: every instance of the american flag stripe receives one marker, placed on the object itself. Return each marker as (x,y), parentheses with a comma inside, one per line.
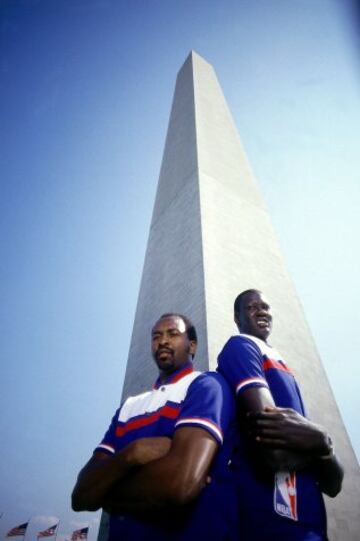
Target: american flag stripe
(18,530)
(48,532)
(79,534)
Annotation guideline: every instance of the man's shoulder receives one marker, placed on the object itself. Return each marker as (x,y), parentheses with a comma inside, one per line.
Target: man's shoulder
(245,341)
(189,378)
(210,382)
(211,377)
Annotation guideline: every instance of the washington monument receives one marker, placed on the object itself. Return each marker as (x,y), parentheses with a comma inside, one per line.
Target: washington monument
(210,238)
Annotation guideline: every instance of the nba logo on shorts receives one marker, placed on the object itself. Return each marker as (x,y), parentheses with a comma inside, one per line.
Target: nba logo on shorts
(285,497)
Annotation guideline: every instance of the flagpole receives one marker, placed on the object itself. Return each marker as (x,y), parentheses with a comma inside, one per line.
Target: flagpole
(28,522)
(57,529)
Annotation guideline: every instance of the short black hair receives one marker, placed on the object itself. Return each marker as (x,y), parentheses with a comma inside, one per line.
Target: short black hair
(240,299)
(189,326)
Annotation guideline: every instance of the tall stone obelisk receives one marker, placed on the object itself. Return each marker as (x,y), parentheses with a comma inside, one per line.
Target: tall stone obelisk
(210,238)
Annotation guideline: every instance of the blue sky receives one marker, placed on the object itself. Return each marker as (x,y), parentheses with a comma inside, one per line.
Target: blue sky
(86,89)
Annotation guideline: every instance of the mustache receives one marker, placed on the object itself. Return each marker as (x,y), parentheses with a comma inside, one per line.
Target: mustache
(162,349)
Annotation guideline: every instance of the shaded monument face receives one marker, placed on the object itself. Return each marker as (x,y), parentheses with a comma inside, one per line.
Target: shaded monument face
(170,345)
(254,316)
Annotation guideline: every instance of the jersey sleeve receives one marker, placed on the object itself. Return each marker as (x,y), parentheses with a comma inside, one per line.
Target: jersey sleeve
(208,404)
(107,444)
(241,364)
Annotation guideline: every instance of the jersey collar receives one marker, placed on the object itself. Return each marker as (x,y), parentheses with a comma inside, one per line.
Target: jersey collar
(175,376)
(256,339)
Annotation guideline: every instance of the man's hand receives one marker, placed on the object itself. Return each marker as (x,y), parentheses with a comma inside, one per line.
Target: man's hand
(145,450)
(284,428)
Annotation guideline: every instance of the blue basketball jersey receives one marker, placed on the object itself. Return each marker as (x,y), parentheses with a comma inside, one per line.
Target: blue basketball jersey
(288,505)
(187,398)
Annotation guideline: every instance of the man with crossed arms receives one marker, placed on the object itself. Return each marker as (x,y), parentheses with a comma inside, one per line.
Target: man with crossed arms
(283,461)
(161,470)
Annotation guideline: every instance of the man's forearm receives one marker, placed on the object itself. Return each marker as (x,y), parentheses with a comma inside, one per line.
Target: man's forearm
(102,471)
(284,460)
(173,481)
(96,479)
(288,441)
(154,487)
(330,474)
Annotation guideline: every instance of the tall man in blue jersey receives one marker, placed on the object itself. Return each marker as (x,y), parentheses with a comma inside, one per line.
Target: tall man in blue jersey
(283,461)
(161,470)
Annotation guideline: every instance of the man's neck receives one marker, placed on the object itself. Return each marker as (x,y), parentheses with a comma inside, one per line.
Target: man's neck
(175,375)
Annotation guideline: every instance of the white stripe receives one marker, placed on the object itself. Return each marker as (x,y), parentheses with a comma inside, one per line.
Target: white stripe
(202,422)
(249,381)
(151,401)
(265,349)
(104,446)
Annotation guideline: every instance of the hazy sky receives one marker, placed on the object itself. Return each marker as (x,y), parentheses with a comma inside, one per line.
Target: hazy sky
(86,89)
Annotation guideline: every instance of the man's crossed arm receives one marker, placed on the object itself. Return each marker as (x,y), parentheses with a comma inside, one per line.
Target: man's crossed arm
(149,473)
(288,440)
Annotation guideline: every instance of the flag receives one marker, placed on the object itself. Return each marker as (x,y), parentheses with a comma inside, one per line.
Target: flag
(48,532)
(79,534)
(18,530)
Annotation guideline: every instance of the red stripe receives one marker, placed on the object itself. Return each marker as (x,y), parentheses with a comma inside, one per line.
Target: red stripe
(291,484)
(277,365)
(165,411)
(181,374)
(173,379)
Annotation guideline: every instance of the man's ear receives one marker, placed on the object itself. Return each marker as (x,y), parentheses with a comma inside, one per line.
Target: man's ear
(237,320)
(193,347)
